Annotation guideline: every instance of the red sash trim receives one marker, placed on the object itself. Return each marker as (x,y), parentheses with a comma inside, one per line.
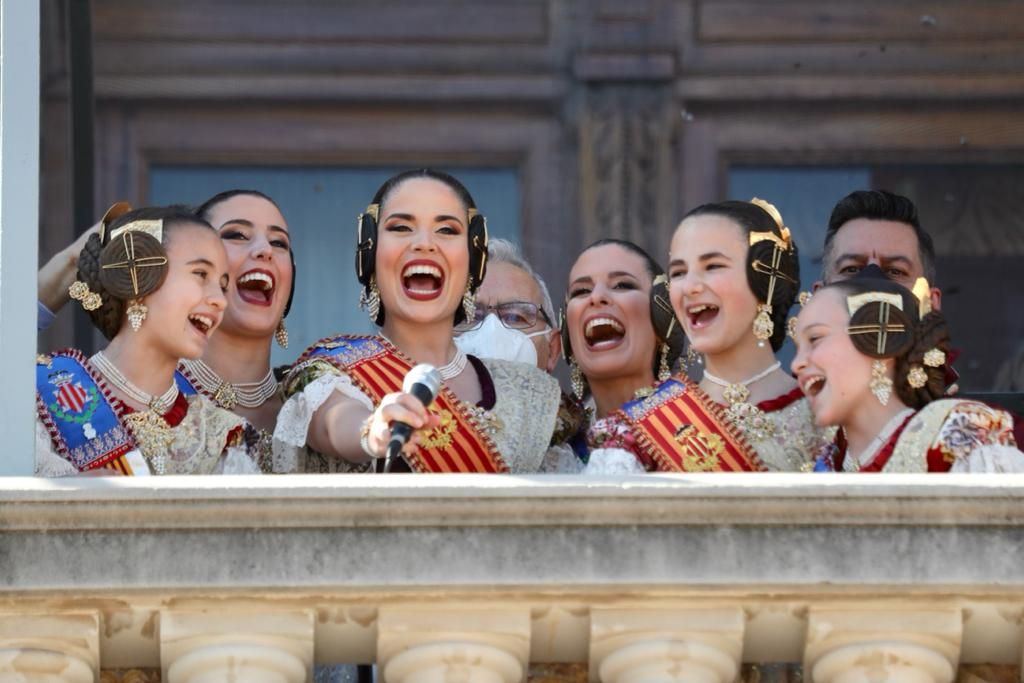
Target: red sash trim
(688,432)
(468,450)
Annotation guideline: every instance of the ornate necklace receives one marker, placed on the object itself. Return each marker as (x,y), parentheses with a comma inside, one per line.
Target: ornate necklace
(453,368)
(158,404)
(151,431)
(748,416)
(226,394)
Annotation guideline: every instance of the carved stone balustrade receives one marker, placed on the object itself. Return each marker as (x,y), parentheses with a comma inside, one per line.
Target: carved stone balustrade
(477,578)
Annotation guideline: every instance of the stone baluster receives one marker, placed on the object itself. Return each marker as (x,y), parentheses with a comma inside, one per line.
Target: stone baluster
(445,644)
(226,644)
(666,645)
(59,648)
(911,645)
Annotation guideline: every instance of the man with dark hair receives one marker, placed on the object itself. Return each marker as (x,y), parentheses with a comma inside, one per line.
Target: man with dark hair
(880,228)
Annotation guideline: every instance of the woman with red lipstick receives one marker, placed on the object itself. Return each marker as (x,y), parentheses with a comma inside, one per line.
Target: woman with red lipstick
(235,371)
(421,254)
(153,282)
(733,276)
(871,359)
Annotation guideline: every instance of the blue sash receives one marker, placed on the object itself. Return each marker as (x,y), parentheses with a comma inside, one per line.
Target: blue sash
(184,385)
(77,412)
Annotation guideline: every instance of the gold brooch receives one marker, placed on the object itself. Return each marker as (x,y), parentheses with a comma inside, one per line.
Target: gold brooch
(917,377)
(935,358)
(89,299)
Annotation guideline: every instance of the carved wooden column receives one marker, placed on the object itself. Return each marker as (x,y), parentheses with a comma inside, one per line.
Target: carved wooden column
(443,644)
(236,645)
(877,646)
(49,649)
(679,645)
(625,64)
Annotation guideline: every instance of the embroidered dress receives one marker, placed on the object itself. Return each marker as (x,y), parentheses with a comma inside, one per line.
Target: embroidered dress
(82,426)
(258,442)
(949,435)
(509,431)
(678,428)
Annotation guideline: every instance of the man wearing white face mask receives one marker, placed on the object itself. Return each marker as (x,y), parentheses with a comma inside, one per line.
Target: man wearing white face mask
(514,316)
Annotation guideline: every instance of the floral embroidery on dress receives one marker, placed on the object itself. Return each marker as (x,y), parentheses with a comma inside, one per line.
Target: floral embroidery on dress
(971,425)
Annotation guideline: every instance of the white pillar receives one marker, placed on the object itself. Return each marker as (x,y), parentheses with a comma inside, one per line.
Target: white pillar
(666,645)
(883,645)
(236,645)
(19,229)
(49,649)
(442,644)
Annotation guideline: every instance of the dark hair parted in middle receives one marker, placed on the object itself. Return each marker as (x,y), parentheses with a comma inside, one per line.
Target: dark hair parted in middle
(116,286)
(366,236)
(761,265)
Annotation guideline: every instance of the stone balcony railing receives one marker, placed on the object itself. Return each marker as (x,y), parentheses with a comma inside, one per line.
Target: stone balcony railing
(473,578)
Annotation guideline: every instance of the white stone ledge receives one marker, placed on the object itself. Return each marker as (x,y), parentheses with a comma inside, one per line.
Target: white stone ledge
(354,501)
(758,533)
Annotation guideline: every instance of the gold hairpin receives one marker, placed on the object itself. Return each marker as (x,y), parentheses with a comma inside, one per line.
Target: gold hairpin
(922,290)
(373,210)
(783,242)
(882,328)
(853,303)
(150,227)
(131,263)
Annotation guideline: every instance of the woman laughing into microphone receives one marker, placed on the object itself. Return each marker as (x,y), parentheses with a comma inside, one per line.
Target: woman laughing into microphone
(421,254)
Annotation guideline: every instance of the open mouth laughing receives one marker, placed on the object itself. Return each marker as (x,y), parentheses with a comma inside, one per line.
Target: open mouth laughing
(256,287)
(203,323)
(812,385)
(701,315)
(603,332)
(422,280)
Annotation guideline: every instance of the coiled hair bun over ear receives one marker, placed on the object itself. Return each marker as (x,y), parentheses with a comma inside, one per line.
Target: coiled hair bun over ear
(133,265)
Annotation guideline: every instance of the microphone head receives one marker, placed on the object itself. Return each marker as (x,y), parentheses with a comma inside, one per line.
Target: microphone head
(424,374)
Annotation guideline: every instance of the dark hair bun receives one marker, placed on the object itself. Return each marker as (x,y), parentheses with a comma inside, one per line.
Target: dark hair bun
(881,330)
(133,265)
(931,333)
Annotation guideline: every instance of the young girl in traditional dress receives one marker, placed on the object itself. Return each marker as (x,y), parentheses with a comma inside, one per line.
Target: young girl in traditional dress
(235,371)
(733,275)
(421,254)
(871,359)
(153,283)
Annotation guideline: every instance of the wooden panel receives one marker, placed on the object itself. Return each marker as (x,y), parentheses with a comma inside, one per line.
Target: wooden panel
(401,21)
(870,21)
(781,88)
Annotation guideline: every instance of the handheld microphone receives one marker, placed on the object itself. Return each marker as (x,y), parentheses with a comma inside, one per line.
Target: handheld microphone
(423,382)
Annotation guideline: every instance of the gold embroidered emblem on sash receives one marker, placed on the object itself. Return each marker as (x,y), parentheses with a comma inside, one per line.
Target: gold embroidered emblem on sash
(701,450)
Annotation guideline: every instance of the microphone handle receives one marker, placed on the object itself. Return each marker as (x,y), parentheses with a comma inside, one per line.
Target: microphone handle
(394,450)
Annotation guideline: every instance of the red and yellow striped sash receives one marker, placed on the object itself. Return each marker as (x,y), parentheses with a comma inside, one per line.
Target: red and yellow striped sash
(682,430)
(378,369)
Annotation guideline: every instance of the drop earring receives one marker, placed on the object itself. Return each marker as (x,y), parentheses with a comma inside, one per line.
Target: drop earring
(880,384)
